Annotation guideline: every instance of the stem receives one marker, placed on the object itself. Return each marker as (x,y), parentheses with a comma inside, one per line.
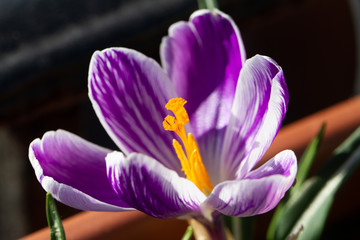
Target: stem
(188,233)
(206,230)
(236,228)
(209,4)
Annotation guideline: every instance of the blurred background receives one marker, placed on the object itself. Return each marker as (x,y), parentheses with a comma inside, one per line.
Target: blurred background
(46,46)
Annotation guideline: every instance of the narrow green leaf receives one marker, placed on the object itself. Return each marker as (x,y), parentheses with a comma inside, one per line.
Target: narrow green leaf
(307,159)
(308,208)
(314,217)
(188,233)
(341,154)
(305,164)
(279,211)
(53,219)
(313,220)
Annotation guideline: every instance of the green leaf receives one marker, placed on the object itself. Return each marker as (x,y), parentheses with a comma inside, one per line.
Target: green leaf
(305,164)
(53,219)
(307,160)
(278,214)
(308,208)
(188,233)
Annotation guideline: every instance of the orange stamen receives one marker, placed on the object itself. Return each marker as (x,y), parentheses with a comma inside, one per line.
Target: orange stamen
(190,160)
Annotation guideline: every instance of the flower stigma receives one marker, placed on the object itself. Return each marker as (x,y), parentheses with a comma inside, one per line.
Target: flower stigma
(191,162)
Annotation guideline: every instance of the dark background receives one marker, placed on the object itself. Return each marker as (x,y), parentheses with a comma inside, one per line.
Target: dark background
(46,45)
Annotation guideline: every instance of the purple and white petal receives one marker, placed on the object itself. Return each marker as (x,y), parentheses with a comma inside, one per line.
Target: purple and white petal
(259,107)
(129,92)
(146,185)
(259,192)
(74,172)
(203,58)
(271,124)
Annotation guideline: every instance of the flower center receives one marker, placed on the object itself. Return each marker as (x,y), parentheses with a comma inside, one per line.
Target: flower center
(191,162)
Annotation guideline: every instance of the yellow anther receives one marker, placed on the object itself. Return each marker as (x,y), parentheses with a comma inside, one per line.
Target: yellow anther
(170,124)
(182,157)
(190,160)
(176,105)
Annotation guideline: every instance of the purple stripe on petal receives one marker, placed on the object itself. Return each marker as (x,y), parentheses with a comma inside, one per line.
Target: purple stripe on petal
(129,92)
(210,145)
(257,88)
(281,164)
(203,58)
(260,192)
(271,124)
(74,171)
(76,199)
(146,185)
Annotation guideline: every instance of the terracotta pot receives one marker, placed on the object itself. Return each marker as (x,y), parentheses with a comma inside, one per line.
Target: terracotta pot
(341,120)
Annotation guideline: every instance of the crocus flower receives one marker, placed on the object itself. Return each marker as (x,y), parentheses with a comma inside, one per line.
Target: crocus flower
(190,132)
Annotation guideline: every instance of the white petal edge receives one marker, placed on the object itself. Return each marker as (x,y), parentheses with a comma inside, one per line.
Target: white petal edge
(228,199)
(66,194)
(186,190)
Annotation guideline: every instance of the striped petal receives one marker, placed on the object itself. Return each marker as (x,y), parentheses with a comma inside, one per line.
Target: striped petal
(74,172)
(258,110)
(146,185)
(203,58)
(259,192)
(129,91)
